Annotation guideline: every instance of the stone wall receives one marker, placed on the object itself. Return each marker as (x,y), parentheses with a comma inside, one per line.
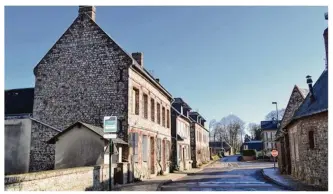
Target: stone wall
(42,155)
(83,77)
(73,179)
(310,165)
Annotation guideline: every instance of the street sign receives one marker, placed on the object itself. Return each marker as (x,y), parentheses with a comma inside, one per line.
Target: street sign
(110,124)
(274,153)
(110,136)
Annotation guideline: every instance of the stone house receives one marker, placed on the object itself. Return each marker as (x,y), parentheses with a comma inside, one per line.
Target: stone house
(282,139)
(180,132)
(269,129)
(200,152)
(85,76)
(18,122)
(307,133)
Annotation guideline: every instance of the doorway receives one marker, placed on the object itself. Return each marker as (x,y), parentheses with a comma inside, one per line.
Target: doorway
(184,163)
(152,156)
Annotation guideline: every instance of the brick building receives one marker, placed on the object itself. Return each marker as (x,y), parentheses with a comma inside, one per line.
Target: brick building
(199,140)
(85,76)
(180,132)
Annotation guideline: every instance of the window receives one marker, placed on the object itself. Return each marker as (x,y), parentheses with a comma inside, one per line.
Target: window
(272,145)
(163,116)
(311,140)
(135,140)
(144,148)
(145,106)
(168,119)
(152,110)
(271,136)
(135,101)
(158,113)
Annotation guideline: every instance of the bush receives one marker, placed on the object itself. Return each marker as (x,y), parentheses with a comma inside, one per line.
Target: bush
(249,153)
(215,157)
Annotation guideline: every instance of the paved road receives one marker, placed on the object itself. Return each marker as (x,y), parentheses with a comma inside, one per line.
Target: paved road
(245,177)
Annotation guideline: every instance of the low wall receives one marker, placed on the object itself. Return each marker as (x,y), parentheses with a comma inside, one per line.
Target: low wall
(249,158)
(73,179)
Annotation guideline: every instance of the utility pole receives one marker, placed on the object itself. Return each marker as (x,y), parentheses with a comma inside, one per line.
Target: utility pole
(110,164)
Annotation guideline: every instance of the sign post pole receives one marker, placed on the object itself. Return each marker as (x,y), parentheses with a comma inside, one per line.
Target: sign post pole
(110,166)
(274,154)
(110,132)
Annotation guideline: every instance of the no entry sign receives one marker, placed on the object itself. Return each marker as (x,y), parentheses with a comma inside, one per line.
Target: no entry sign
(275,153)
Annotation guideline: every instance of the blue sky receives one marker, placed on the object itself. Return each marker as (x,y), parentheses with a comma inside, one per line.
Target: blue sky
(220,60)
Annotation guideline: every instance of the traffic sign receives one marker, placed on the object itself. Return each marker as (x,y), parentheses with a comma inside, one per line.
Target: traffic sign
(274,153)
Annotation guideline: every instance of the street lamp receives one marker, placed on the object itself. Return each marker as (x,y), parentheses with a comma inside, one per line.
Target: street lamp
(277,113)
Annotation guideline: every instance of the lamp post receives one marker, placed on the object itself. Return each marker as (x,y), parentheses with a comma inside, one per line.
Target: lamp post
(277,118)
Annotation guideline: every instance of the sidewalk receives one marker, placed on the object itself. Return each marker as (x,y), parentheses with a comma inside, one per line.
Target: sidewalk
(155,183)
(287,181)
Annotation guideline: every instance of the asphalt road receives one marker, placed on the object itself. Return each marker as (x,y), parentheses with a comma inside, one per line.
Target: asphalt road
(246,176)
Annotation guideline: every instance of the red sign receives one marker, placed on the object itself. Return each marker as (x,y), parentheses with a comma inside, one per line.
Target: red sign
(275,153)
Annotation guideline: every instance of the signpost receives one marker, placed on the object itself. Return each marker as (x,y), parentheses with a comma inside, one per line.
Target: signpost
(110,126)
(274,154)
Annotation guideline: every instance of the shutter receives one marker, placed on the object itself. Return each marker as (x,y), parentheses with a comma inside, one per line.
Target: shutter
(144,148)
(136,142)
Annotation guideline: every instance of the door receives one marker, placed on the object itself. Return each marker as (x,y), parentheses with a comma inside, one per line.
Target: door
(184,163)
(152,156)
(164,155)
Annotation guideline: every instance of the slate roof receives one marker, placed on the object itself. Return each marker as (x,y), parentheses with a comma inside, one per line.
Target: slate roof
(96,129)
(320,104)
(182,102)
(19,101)
(267,125)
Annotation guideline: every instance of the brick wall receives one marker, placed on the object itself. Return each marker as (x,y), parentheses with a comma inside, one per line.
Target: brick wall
(82,78)
(73,179)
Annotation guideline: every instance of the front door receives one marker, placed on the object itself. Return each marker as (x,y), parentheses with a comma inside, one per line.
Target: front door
(184,163)
(152,156)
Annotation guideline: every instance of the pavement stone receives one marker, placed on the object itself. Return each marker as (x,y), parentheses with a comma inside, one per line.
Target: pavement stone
(287,181)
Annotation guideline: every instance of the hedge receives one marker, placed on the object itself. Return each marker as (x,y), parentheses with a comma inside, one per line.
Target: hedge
(249,153)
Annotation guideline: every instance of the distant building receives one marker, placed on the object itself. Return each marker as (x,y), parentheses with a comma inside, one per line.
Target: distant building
(180,132)
(253,145)
(199,140)
(216,148)
(269,129)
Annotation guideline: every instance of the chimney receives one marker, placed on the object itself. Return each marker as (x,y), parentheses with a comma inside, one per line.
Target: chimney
(326,41)
(138,57)
(309,82)
(158,80)
(88,10)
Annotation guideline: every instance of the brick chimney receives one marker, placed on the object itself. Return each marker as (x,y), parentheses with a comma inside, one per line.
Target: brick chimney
(138,57)
(88,10)
(326,41)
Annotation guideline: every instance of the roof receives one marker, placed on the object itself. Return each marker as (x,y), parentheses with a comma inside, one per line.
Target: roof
(182,102)
(303,91)
(320,104)
(218,144)
(98,130)
(19,101)
(254,141)
(269,125)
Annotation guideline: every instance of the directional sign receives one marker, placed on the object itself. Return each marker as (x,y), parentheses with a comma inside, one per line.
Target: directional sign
(110,124)
(274,153)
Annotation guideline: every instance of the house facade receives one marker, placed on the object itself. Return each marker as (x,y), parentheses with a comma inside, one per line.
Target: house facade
(269,129)
(282,139)
(85,76)
(199,140)
(180,132)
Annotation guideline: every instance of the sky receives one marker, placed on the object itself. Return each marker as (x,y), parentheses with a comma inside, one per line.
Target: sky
(221,60)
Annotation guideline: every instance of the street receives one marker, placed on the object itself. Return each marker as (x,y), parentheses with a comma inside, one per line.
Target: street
(243,176)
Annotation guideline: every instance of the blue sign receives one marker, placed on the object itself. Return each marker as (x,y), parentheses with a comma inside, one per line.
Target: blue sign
(110,124)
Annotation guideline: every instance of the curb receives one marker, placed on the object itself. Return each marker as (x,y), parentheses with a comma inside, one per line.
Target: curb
(159,187)
(276,182)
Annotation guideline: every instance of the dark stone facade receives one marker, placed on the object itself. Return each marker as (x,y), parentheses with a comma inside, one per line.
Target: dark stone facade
(83,77)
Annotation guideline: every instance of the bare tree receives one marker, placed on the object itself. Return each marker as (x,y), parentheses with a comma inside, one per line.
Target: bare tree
(272,115)
(255,130)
